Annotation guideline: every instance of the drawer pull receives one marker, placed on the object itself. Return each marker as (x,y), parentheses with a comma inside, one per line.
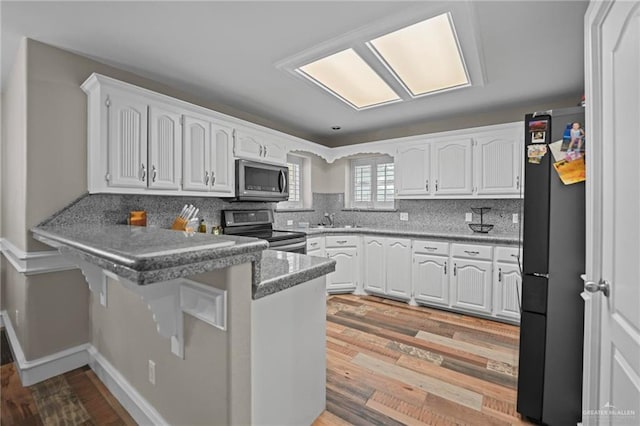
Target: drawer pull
(471,253)
(313,244)
(341,241)
(445,268)
(430,248)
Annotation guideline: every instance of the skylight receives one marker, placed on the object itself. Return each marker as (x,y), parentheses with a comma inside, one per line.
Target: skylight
(346,75)
(425,57)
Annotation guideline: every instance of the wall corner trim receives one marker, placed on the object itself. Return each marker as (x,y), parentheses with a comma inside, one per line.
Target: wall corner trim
(34,262)
(38,370)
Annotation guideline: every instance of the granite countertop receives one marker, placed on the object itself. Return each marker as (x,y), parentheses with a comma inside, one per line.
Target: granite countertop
(146,255)
(281,270)
(490,238)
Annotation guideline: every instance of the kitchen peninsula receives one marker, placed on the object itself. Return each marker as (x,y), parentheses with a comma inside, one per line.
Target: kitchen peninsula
(237,358)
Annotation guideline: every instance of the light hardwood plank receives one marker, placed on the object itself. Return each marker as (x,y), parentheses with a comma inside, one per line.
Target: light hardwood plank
(497,355)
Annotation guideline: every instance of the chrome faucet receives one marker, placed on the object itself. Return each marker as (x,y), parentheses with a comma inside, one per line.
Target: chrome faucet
(328,218)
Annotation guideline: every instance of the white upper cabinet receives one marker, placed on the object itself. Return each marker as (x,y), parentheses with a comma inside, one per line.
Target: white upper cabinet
(165,147)
(197,149)
(127,140)
(498,164)
(222,166)
(208,162)
(258,147)
(413,166)
(452,170)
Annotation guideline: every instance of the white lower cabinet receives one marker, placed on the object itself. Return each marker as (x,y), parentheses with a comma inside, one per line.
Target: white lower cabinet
(471,285)
(507,281)
(315,246)
(344,250)
(374,274)
(430,279)
(398,267)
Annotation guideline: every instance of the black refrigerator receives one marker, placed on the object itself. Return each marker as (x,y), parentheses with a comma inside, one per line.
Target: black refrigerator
(553,240)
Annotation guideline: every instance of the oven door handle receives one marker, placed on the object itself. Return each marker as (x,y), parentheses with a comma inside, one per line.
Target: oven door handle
(287,247)
(282,181)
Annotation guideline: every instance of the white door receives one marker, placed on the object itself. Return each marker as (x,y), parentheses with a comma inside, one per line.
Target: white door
(197,146)
(345,277)
(165,148)
(452,169)
(430,279)
(497,164)
(398,259)
(222,173)
(613,209)
(471,285)
(374,265)
(507,290)
(412,166)
(127,141)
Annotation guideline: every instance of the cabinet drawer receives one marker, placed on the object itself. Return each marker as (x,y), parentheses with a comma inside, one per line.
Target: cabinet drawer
(431,247)
(471,251)
(341,241)
(507,254)
(315,243)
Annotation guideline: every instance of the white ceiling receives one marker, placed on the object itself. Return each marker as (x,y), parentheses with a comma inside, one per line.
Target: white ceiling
(228,52)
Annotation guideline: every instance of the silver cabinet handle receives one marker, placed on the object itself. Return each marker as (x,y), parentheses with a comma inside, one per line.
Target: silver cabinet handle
(213,178)
(455,269)
(471,253)
(206,178)
(430,248)
(426,185)
(517,182)
(261,149)
(499,275)
(341,241)
(154,172)
(313,244)
(445,268)
(436,185)
(143,172)
(265,150)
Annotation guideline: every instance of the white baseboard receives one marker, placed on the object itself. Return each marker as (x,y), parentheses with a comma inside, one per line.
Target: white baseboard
(37,370)
(135,404)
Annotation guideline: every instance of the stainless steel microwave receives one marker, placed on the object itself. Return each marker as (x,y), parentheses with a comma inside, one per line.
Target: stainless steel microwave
(261,182)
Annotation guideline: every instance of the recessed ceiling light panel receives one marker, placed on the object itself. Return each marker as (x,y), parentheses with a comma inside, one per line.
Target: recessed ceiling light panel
(425,57)
(346,75)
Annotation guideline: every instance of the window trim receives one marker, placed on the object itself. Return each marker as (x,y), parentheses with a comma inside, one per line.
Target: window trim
(373,161)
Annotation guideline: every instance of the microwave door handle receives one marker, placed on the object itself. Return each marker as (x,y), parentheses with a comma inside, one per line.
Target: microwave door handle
(282,181)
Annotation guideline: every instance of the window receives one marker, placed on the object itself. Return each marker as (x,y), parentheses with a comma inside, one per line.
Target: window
(296,198)
(372,182)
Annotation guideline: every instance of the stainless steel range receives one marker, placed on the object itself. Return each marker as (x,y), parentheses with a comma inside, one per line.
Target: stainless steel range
(259,224)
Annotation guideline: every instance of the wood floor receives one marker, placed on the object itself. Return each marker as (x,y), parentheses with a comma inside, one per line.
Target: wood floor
(387,364)
(390,364)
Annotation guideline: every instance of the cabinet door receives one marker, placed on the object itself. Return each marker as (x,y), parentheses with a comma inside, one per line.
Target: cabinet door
(165,148)
(507,291)
(247,146)
(471,285)
(374,264)
(127,141)
(274,152)
(412,167)
(398,256)
(345,277)
(196,153)
(430,279)
(222,173)
(452,167)
(497,164)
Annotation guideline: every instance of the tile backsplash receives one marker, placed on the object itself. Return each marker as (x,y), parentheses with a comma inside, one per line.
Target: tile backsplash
(427,215)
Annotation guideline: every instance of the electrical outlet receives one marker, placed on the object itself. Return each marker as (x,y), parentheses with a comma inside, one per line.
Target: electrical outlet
(404,216)
(468,217)
(152,372)
(515,218)
(289,222)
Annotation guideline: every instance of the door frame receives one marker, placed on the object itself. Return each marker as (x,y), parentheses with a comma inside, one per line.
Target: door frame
(594,19)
